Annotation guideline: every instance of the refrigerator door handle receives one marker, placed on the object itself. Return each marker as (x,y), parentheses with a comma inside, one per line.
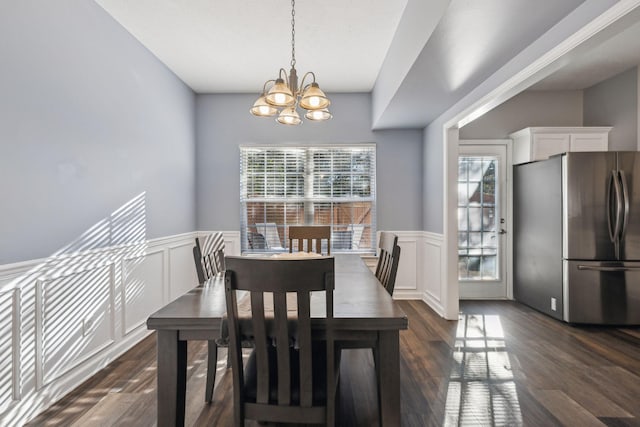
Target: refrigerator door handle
(606,268)
(614,228)
(625,198)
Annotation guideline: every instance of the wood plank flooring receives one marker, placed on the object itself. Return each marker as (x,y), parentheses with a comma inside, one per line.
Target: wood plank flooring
(501,364)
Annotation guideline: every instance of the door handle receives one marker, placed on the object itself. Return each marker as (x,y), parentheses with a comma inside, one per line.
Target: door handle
(614,227)
(625,198)
(605,268)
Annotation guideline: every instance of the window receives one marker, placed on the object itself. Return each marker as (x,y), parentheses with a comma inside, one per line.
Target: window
(478,224)
(282,186)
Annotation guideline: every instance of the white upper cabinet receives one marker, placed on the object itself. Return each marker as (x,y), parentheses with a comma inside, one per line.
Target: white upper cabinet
(539,143)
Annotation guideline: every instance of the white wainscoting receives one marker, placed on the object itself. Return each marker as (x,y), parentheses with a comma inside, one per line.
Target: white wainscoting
(143,287)
(433,268)
(421,268)
(231,242)
(409,278)
(74,320)
(7,327)
(64,318)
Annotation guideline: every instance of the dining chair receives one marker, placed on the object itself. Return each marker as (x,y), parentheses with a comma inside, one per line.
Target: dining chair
(285,378)
(270,232)
(388,260)
(256,240)
(209,256)
(386,269)
(358,231)
(310,233)
(342,239)
(209,260)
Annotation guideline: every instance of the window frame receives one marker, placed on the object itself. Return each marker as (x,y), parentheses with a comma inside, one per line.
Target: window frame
(309,196)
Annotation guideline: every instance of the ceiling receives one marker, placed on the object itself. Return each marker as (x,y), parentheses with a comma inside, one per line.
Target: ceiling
(472,41)
(612,56)
(235,46)
(437,51)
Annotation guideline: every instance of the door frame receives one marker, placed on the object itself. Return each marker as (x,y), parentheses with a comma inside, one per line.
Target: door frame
(508,209)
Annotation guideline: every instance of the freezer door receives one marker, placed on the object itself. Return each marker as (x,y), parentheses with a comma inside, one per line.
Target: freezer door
(629,173)
(587,178)
(602,292)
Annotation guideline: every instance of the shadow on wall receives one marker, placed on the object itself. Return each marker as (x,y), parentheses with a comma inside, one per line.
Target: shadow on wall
(63,311)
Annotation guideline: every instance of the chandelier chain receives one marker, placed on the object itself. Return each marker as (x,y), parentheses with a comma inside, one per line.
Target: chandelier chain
(293,33)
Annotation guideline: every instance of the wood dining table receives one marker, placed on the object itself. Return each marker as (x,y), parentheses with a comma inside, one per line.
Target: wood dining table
(363,312)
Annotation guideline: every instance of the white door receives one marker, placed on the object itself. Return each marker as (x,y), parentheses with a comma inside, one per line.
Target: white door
(482,224)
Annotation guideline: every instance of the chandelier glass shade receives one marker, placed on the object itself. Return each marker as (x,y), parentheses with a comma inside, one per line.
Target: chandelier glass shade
(262,109)
(318,115)
(280,95)
(284,96)
(313,98)
(289,116)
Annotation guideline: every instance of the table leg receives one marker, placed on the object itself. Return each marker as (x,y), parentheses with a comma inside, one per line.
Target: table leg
(172,378)
(389,377)
(212,364)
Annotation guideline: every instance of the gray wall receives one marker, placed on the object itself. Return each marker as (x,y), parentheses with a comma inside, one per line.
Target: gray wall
(433,197)
(223,123)
(614,102)
(89,120)
(530,108)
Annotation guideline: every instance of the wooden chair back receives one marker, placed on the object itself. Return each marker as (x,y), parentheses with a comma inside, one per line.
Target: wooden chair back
(308,234)
(209,256)
(256,240)
(283,390)
(270,232)
(342,239)
(388,260)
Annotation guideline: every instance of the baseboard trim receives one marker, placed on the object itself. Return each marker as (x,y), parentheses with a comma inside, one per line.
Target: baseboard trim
(434,303)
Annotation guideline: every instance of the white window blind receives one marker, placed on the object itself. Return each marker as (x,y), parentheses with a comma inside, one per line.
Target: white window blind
(282,186)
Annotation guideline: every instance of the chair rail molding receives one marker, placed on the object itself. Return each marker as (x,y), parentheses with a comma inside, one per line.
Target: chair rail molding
(64,318)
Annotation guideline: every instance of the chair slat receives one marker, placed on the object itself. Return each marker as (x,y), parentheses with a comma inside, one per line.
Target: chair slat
(235,350)
(298,235)
(282,345)
(209,256)
(332,356)
(391,282)
(388,260)
(305,349)
(197,258)
(261,345)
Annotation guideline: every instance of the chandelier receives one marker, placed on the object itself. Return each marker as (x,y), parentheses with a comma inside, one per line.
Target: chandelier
(284,94)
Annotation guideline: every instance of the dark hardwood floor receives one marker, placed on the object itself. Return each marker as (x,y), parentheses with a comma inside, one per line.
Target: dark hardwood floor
(501,364)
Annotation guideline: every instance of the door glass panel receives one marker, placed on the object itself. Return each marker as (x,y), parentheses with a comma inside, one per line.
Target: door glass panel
(478,224)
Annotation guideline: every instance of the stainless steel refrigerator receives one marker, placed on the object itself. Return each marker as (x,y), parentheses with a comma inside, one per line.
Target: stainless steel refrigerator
(577,237)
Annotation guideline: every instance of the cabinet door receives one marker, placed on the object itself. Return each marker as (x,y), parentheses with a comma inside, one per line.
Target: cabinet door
(545,145)
(589,142)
